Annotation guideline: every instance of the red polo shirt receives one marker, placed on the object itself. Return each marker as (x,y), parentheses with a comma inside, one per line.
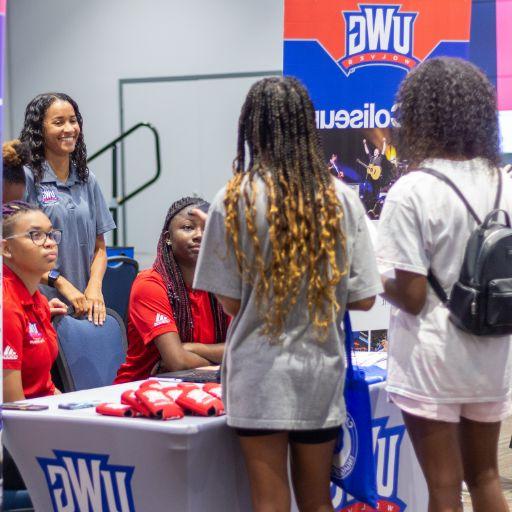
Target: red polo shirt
(150,315)
(29,339)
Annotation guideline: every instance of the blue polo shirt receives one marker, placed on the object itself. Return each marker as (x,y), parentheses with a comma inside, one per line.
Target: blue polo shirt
(80,210)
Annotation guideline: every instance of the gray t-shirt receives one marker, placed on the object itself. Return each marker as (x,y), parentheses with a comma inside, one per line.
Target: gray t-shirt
(296,384)
(80,210)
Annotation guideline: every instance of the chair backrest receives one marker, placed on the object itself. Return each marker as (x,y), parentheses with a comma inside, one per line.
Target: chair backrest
(89,355)
(117,283)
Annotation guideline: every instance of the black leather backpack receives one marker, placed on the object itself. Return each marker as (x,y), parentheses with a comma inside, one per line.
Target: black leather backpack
(480,302)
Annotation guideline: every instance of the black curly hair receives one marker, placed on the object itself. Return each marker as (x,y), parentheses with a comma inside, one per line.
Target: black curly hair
(32,134)
(447,109)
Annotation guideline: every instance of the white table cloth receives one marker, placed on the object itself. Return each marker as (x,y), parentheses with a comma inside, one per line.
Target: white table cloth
(79,461)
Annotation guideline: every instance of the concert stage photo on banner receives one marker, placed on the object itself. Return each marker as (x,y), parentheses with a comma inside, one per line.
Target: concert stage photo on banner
(352,56)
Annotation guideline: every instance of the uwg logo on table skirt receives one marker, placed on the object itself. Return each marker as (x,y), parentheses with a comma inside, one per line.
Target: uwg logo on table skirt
(378,34)
(386,443)
(84,482)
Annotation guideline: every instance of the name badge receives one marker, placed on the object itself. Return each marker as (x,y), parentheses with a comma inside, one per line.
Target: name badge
(47,195)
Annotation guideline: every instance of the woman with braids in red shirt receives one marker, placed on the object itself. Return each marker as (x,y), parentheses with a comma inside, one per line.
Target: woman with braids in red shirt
(169,323)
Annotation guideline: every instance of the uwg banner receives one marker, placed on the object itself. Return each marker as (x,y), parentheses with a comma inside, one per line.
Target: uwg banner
(352,55)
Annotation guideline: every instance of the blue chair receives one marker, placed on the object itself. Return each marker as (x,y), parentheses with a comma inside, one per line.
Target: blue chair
(16,501)
(117,283)
(89,355)
(15,494)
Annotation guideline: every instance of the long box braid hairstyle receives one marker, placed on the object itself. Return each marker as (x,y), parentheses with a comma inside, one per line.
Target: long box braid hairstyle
(166,265)
(277,128)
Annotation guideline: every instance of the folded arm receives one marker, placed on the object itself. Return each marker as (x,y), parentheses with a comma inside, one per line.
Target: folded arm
(214,352)
(174,356)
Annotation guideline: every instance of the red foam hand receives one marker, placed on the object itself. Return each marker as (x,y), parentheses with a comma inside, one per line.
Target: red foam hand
(151,384)
(130,398)
(173,392)
(213,389)
(159,404)
(201,403)
(111,409)
(188,385)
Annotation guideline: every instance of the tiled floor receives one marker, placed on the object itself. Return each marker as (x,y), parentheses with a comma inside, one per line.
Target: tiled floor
(505,460)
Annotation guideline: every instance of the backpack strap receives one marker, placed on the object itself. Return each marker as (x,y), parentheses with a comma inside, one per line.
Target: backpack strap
(432,279)
(456,189)
(436,286)
(498,192)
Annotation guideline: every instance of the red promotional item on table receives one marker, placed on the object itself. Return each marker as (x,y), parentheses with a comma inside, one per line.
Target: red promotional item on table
(151,384)
(176,390)
(173,392)
(130,398)
(159,404)
(111,409)
(214,389)
(188,385)
(199,402)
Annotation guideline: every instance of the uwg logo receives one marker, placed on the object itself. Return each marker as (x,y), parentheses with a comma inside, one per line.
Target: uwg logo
(47,196)
(386,445)
(84,482)
(378,34)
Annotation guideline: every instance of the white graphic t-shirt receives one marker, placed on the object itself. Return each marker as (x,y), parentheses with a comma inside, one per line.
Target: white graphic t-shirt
(425,225)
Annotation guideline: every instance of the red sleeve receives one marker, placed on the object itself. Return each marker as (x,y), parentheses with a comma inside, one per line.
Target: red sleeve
(150,311)
(13,333)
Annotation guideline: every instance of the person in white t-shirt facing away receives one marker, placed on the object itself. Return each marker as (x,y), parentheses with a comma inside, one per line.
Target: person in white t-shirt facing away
(453,388)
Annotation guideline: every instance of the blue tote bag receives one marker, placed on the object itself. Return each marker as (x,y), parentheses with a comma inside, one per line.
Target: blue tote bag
(353,467)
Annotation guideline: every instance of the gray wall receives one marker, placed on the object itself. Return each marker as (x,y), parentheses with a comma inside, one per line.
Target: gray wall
(84,47)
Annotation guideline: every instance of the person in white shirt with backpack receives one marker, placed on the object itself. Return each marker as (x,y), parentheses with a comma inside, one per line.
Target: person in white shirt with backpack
(452,385)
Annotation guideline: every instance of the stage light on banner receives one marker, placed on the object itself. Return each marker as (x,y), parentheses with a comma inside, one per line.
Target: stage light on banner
(352,55)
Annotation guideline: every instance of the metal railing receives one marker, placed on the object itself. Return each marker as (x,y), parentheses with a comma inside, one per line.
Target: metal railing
(120,200)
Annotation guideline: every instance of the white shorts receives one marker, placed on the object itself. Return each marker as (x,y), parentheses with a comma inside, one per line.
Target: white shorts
(484,412)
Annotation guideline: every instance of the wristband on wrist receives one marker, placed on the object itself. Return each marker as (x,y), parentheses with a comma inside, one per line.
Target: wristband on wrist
(53,275)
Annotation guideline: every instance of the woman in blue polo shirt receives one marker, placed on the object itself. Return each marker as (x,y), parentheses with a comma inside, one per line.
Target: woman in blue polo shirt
(59,182)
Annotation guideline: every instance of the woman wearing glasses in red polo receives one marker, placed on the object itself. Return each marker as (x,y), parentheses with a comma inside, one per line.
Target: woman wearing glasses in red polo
(29,250)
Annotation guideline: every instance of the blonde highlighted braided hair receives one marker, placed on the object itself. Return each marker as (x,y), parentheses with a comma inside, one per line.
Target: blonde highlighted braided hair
(278,147)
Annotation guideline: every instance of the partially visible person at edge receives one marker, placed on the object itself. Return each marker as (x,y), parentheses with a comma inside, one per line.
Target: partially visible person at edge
(15,155)
(60,183)
(29,250)
(453,388)
(279,252)
(170,324)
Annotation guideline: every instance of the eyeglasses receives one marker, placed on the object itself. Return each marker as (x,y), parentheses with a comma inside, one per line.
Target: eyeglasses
(40,237)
